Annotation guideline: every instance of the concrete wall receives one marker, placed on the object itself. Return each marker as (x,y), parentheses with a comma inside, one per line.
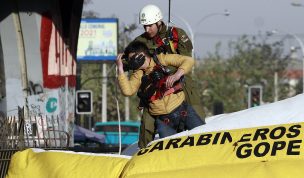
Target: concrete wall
(2,78)
(50,33)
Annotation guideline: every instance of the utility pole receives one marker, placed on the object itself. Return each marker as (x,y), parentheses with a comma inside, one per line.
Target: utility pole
(104,93)
(276,82)
(276,87)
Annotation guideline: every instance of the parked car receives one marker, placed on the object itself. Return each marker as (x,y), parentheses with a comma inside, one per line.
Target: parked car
(129,133)
(87,141)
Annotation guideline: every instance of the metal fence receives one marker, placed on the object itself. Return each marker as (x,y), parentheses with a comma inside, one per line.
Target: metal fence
(17,133)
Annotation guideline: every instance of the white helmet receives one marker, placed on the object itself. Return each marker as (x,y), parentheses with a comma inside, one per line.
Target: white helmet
(150,14)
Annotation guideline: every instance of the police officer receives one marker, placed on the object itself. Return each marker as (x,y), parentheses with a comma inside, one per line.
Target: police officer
(162,39)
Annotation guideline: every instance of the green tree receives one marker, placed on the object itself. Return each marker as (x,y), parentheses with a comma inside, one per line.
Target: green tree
(251,63)
(89,13)
(218,83)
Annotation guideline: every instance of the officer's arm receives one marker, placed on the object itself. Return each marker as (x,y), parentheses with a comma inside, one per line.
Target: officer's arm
(179,61)
(184,43)
(175,77)
(183,63)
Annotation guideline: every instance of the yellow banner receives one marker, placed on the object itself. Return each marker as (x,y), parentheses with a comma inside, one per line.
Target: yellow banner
(264,152)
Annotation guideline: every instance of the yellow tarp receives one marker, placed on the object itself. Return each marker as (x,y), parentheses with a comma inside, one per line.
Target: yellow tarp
(264,152)
(53,164)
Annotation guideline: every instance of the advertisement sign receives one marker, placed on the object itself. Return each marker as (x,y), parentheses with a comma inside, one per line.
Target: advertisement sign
(97,39)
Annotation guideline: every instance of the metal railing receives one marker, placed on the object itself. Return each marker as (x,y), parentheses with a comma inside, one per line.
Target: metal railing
(17,134)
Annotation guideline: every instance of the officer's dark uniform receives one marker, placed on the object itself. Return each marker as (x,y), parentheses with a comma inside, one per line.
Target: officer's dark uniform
(181,44)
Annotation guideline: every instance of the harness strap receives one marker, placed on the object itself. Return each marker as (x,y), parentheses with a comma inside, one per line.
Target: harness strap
(182,116)
(175,88)
(170,42)
(158,41)
(173,39)
(163,68)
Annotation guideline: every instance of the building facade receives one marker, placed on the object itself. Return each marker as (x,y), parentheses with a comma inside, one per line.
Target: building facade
(38,43)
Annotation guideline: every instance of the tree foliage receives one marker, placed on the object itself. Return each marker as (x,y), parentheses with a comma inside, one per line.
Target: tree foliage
(89,13)
(251,63)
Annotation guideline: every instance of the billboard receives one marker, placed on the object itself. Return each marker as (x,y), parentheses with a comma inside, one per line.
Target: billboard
(98,39)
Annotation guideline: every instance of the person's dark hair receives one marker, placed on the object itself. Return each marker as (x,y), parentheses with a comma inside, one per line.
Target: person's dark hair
(137,47)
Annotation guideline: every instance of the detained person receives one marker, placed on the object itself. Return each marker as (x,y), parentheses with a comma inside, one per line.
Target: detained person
(159,90)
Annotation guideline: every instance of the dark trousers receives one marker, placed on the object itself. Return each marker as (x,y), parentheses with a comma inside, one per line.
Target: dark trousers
(182,118)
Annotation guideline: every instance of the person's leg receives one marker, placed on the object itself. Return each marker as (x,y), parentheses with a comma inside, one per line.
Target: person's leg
(193,119)
(164,129)
(147,129)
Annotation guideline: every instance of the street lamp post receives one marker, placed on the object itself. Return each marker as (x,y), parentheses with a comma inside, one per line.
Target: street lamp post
(225,13)
(302,50)
(192,32)
(298,4)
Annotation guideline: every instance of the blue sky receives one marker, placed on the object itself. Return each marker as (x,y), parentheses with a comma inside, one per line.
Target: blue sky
(250,17)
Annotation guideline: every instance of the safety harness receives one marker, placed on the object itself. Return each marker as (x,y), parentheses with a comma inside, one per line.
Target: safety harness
(181,113)
(153,86)
(169,43)
(161,82)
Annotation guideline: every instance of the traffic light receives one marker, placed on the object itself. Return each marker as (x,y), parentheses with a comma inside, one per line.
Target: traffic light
(84,102)
(254,96)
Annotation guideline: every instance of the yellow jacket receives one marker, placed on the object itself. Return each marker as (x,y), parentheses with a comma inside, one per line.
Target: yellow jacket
(168,103)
